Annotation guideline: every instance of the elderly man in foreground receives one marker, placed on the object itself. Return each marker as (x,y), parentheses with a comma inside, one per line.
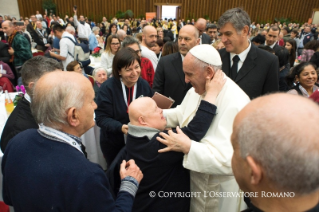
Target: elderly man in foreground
(276,160)
(210,158)
(45,169)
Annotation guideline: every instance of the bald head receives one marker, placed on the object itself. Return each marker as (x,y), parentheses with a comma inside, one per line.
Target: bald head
(191,30)
(148,30)
(279,132)
(200,25)
(149,36)
(8,27)
(144,112)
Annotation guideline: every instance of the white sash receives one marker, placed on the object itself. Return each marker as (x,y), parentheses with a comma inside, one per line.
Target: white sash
(124,92)
(61,137)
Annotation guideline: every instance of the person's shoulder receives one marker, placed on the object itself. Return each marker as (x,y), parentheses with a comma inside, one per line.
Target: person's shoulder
(171,57)
(23,138)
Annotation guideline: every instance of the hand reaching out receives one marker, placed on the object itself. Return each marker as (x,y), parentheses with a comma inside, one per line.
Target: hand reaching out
(129,168)
(214,86)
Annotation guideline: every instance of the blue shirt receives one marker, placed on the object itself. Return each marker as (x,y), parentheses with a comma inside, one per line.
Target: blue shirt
(93,43)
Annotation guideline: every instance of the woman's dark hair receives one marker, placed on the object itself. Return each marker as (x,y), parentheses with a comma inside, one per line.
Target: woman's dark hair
(160,42)
(292,54)
(296,71)
(122,59)
(283,56)
(313,45)
(260,39)
(71,65)
(169,47)
(111,25)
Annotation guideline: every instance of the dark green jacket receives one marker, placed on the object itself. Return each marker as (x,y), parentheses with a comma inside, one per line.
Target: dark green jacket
(22,50)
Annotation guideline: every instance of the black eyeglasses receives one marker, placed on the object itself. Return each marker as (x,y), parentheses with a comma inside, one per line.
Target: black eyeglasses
(138,51)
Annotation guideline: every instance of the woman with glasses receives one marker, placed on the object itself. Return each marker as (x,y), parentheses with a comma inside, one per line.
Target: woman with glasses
(147,69)
(112,46)
(114,98)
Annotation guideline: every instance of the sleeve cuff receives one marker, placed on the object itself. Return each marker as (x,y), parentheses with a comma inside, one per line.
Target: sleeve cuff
(129,184)
(207,107)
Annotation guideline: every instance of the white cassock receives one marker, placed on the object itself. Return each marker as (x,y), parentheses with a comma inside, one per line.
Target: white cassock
(210,159)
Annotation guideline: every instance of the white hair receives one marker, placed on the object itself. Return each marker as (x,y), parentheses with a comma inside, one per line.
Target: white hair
(95,29)
(70,29)
(97,70)
(51,108)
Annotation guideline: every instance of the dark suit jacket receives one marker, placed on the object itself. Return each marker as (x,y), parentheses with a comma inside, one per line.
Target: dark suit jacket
(19,120)
(4,54)
(206,39)
(259,73)
(315,58)
(169,78)
(35,36)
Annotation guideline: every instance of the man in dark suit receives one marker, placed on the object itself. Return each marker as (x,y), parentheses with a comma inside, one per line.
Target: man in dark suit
(201,27)
(4,54)
(21,118)
(254,70)
(282,54)
(169,78)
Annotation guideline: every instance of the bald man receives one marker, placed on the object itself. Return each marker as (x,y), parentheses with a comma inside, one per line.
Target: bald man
(274,154)
(149,38)
(54,174)
(169,78)
(164,172)
(201,27)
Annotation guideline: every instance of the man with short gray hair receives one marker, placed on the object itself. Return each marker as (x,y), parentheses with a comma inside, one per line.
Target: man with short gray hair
(54,174)
(209,160)
(253,69)
(275,158)
(21,118)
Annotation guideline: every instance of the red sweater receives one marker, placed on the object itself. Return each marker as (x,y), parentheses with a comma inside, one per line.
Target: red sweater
(147,71)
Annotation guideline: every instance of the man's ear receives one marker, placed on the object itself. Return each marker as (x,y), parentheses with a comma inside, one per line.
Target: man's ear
(245,30)
(141,120)
(73,117)
(210,72)
(198,41)
(256,171)
(30,85)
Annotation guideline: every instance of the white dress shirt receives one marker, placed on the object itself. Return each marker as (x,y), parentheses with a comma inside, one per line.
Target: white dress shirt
(242,57)
(66,46)
(84,31)
(107,62)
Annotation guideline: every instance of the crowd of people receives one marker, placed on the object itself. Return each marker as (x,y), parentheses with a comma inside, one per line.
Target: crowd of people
(228,143)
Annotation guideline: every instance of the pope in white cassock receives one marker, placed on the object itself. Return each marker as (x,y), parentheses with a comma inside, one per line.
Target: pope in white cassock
(209,160)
